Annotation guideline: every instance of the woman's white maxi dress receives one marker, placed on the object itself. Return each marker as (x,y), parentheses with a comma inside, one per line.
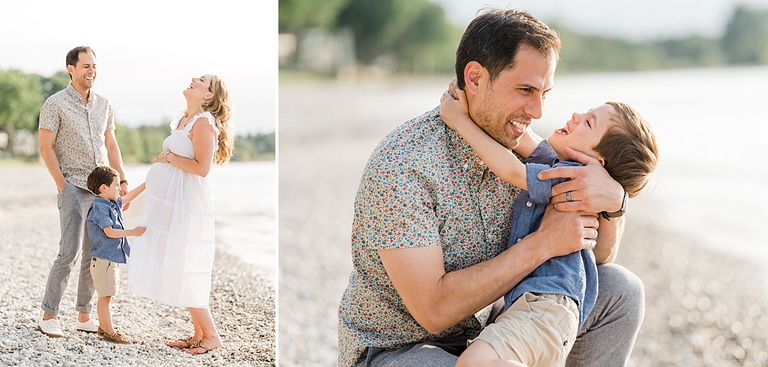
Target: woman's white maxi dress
(172,261)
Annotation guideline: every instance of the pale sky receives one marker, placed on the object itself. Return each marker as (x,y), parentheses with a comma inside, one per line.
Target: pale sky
(636,20)
(147,52)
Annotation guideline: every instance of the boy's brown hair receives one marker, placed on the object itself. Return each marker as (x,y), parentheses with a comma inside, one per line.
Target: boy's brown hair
(629,149)
(102,175)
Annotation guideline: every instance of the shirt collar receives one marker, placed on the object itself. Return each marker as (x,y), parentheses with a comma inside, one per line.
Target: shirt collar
(76,95)
(466,156)
(105,201)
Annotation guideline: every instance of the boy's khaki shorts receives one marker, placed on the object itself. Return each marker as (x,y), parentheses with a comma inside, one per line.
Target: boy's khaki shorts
(106,276)
(537,330)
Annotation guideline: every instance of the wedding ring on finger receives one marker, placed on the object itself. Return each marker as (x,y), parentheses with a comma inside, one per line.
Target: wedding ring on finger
(568,196)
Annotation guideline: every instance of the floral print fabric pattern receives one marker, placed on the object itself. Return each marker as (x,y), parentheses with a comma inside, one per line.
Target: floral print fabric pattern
(423,186)
(79,131)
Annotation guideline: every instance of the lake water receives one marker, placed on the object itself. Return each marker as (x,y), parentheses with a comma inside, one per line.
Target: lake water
(245,201)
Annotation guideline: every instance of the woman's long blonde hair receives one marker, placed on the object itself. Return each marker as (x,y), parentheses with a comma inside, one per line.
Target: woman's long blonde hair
(220,106)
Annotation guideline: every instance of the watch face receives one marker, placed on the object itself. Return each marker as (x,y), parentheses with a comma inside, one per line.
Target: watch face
(624,203)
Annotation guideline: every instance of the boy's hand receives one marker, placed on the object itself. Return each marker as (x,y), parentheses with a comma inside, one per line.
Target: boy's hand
(454,109)
(138,231)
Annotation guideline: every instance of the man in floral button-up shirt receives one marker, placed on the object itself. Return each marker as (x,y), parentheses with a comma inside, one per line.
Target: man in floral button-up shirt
(76,135)
(431,221)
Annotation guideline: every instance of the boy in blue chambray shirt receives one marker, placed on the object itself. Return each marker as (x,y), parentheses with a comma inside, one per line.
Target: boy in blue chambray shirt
(109,247)
(544,311)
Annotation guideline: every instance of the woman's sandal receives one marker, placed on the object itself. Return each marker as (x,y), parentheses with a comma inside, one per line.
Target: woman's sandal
(188,341)
(199,344)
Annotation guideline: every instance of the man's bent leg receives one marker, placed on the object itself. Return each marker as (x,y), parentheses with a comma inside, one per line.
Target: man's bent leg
(433,354)
(609,333)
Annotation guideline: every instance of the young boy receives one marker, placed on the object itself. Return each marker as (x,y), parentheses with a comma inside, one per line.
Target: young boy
(544,311)
(109,247)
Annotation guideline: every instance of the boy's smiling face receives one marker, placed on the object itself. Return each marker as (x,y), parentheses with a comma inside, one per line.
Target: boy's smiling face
(583,131)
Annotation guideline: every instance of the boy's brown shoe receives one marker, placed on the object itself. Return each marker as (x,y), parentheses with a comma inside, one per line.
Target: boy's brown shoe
(116,338)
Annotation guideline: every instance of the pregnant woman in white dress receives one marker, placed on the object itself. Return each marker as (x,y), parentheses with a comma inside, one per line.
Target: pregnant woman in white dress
(172,262)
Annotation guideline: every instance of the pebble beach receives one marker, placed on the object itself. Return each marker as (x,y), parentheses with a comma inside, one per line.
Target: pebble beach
(242,299)
(703,307)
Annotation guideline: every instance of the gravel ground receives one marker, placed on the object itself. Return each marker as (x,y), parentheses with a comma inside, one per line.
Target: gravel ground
(242,299)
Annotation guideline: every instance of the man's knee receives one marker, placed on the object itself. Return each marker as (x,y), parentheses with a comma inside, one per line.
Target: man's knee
(625,291)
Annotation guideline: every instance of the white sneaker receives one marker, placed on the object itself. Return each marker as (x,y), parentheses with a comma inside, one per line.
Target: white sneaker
(88,326)
(50,327)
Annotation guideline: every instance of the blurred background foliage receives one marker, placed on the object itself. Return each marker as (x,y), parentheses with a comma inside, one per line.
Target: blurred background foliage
(359,38)
(338,38)
(22,95)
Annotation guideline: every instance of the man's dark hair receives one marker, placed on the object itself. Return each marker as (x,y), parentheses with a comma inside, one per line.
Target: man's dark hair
(493,38)
(73,56)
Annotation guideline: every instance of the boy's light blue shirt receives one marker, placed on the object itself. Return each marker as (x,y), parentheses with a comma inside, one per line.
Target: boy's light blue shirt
(573,275)
(105,213)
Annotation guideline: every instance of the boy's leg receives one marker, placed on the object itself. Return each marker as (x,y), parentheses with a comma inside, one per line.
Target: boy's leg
(105,318)
(104,275)
(480,353)
(609,333)
(536,330)
(72,223)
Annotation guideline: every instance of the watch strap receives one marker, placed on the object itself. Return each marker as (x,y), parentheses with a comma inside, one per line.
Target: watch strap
(618,213)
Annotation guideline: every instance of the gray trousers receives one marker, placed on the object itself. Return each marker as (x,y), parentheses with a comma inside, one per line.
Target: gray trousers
(73,203)
(606,338)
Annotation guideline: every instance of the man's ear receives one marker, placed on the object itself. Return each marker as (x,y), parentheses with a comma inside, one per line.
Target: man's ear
(102,188)
(473,74)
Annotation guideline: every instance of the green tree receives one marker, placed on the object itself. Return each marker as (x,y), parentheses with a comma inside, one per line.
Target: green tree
(254,147)
(401,28)
(295,16)
(54,83)
(427,43)
(695,51)
(20,102)
(746,37)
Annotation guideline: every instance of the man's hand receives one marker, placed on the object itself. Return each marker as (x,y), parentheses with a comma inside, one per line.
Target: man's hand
(123,191)
(591,188)
(566,232)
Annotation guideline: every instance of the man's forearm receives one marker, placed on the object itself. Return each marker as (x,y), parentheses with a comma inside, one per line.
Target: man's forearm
(116,161)
(608,239)
(476,287)
(52,164)
(439,300)
(113,153)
